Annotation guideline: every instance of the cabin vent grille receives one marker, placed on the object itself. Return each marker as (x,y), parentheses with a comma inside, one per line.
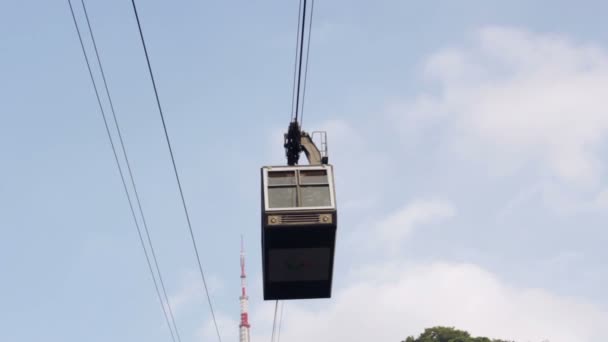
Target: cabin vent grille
(299,218)
(307,218)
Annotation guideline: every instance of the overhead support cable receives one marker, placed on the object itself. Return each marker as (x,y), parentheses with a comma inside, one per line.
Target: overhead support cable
(295,63)
(274,321)
(312,8)
(292,143)
(181,192)
(124,183)
(130,172)
(280,321)
(301,42)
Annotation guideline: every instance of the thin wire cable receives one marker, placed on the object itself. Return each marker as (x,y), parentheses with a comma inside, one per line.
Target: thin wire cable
(120,170)
(312,9)
(132,178)
(300,61)
(280,321)
(274,321)
(295,63)
(181,192)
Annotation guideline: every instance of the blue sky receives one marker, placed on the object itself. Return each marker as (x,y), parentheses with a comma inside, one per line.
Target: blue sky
(469,142)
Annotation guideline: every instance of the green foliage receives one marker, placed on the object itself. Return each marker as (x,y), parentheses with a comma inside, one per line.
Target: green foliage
(447,334)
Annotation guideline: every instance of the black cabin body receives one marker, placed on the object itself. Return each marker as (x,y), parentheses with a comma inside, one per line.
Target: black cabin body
(299,220)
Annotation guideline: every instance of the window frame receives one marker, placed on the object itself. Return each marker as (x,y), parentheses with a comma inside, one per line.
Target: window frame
(297,185)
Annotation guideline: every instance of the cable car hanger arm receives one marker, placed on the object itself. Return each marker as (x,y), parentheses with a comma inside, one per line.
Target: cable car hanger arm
(297,141)
(311,151)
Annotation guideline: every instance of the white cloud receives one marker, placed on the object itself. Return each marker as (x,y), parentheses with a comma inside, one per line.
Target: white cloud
(602,200)
(399,300)
(392,230)
(514,98)
(569,202)
(191,291)
(389,299)
(522,96)
(381,237)
(521,199)
(227,326)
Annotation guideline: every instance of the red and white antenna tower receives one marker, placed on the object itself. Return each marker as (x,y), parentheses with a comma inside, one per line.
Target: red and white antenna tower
(244,325)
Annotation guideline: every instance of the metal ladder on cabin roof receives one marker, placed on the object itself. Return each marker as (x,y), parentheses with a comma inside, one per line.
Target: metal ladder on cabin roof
(322,145)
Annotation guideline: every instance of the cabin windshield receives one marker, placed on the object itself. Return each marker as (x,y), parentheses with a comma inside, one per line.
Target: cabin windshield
(298,189)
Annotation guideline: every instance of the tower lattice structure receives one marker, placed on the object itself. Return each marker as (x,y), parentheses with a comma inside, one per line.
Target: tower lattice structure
(244,301)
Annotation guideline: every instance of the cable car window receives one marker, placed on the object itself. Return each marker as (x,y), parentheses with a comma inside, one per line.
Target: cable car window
(314,188)
(281,178)
(313,177)
(298,189)
(282,197)
(315,196)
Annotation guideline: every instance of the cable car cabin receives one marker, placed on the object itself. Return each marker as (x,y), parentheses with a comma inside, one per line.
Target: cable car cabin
(298,231)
